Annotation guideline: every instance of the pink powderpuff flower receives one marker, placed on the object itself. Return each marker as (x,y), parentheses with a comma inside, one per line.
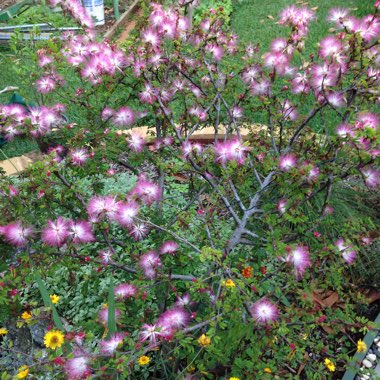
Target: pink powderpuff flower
(148,192)
(124,291)
(313,174)
(56,233)
(149,262)
(103,206)
(289,111)
(366,240)
(107,113)
(328,210)
(345,131)
(264,311)
(81,232)
(287,162)
(250,74)
(367,120)
(260,87)
(347,253)
(277,61)
(237,112)
(237,151)
(329,46)
(175,319)
(150,36)
(79,156)
(336,99)
(169,247)
(222,152)
(77,368)
(12,191)
(44,60)
(123,117)
(338,15)
(151,332)
(300,258)
(139,231)
(371,177)
(45,84)
(108,347)
(183,300)
(103,315)
(16,234)
(281,206)
(147,96)
(135,141)
(106,256)
(278,45)
(126,212)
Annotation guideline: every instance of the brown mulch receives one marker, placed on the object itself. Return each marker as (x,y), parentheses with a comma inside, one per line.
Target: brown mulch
(7,3)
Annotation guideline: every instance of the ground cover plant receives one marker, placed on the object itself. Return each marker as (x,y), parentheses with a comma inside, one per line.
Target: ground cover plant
(153,255)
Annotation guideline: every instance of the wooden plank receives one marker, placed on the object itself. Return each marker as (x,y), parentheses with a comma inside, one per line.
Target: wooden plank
(123,19)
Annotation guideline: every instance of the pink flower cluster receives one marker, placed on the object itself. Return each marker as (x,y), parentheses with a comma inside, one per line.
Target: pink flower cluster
(231,150)
(348,254)
(76,10)
(38,121)
(166,326)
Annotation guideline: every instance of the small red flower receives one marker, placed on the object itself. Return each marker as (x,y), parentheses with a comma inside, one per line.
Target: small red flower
(292,346)
(59,361)
(263,270)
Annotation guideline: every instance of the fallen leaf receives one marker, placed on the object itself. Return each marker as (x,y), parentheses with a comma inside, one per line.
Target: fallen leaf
(372,295)
(331,300)
(270,17)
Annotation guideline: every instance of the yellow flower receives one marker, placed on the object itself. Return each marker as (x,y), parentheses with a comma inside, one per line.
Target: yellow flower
(54,339)
(204,340)
(229,283)
(267,370)
(362,347)
(3,331)
(234,378)
(143,360)
(22,372)
(330,365)
(54,298)
(26,315)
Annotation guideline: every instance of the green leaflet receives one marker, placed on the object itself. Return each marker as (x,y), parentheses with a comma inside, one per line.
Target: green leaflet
(47,300)
(111,309)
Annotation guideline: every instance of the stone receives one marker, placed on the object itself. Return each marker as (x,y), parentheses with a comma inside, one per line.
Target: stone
(367,363)
(371,357)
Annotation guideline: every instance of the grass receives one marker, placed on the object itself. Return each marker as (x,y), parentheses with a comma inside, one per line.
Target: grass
(8,77)
(250,19)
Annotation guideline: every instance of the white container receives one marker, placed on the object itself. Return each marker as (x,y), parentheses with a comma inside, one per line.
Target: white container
(95,8)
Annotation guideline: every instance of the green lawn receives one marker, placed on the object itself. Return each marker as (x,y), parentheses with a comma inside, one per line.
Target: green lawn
(250,19)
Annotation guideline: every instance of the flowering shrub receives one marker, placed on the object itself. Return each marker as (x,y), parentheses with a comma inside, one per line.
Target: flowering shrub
(216,258)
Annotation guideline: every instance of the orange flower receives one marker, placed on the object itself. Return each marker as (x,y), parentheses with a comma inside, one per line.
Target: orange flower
(247,272)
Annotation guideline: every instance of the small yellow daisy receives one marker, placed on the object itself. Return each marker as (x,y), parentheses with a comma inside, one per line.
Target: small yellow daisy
(143,360)
(234,378)
(204,340)
(3,331)
(54,298)
(229,283)
(23,372)
(267,370)
(362,347)
(54,339)
(26,315)
(330,365)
